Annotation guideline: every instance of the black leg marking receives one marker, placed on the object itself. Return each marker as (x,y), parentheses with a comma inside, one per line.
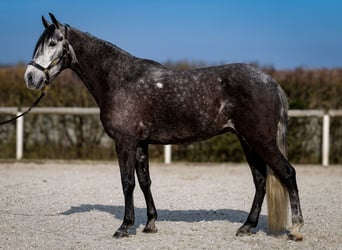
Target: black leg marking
(142,168)
(126,151)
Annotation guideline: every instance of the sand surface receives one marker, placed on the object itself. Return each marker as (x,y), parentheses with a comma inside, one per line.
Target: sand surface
(79,205)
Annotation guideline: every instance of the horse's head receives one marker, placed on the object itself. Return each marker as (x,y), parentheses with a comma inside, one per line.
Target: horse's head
(52,54)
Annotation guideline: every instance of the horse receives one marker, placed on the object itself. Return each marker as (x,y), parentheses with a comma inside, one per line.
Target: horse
(142,102)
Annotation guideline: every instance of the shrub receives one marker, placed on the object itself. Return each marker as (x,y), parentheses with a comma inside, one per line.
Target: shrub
(82,137)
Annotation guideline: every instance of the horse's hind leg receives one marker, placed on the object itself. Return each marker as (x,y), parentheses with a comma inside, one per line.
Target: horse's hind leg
(287,176)
(143,173)
(259,170)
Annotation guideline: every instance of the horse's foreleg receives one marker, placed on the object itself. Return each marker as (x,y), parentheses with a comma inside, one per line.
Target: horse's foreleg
(258,168)
(143,173)
(126,152)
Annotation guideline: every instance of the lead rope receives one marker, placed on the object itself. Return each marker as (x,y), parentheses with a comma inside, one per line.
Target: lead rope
(42,94)
(47,80)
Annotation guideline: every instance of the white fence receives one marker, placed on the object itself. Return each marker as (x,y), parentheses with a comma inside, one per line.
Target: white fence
(167,148)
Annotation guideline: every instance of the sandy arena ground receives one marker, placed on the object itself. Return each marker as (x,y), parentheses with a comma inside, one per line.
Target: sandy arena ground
(79,205)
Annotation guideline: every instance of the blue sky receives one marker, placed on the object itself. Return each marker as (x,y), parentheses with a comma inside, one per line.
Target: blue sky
(284,34)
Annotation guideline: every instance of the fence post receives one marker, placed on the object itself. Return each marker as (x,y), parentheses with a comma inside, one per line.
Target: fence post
(325,146)
(167,154)
(20,137)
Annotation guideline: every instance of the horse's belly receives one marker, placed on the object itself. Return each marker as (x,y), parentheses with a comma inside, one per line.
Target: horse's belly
(185,134)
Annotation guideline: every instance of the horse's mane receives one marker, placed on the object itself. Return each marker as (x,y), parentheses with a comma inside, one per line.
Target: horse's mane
(112,46)
(107,44)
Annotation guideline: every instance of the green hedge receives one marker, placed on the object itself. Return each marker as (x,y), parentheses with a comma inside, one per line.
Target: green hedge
(82,137)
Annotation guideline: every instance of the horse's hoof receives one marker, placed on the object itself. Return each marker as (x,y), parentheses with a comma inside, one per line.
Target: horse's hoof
(295,236)
(295,233)
(243,231)
(150,230)
(120,234)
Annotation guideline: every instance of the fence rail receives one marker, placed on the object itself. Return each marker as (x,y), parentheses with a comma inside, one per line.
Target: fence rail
(325,115)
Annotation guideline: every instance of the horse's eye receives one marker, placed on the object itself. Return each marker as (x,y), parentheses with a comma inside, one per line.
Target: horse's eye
(52,44)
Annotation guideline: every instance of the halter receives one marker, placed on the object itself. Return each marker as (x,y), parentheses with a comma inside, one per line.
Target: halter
(65,53)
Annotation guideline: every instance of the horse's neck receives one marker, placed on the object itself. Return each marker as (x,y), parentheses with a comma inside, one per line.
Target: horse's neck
(96,62)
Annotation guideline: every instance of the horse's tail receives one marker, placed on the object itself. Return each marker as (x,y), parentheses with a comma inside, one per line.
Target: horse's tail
(277,196)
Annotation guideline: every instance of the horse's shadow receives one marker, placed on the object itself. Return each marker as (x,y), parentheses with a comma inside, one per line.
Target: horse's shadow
(231,215)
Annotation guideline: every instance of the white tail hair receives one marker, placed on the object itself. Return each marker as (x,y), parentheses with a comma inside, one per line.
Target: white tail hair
(277,195)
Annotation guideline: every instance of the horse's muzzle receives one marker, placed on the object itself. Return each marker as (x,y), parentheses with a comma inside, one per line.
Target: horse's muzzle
(34,79)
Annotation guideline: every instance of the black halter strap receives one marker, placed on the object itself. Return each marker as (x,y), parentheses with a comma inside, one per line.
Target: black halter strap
(54,62)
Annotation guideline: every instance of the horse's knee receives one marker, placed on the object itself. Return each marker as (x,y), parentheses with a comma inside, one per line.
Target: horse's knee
(128,185)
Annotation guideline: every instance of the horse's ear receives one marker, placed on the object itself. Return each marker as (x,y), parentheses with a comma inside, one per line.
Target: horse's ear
(45,22)
(54,21)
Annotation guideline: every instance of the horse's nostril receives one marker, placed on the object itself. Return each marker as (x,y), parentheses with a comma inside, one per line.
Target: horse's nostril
(29,78)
